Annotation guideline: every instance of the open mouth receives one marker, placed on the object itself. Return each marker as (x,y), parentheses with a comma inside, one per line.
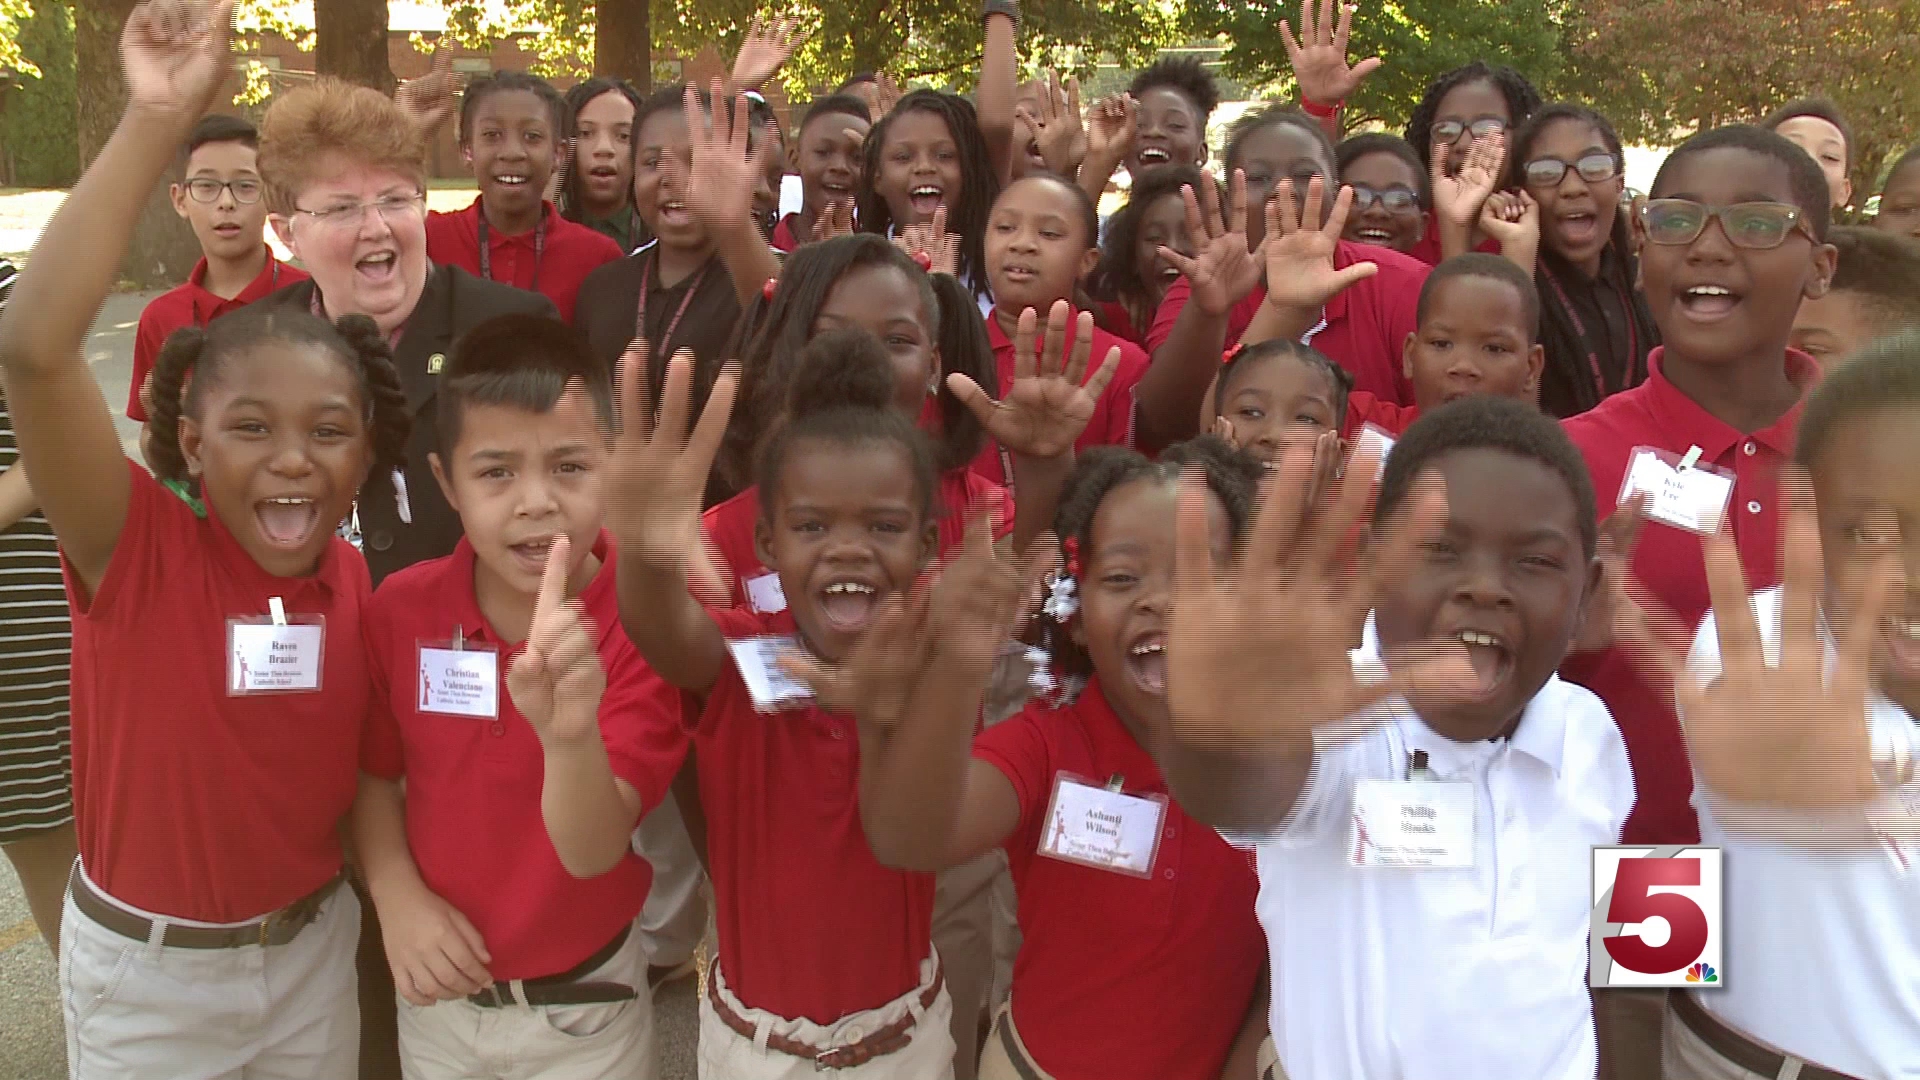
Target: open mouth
(836,193)
(675,212)
(1147,663)
(1491,657)
(1169,274)
(512,181)
(848,605)
(604,172)
(378,267)
(1902,640)
(1580,227)
(288,521)
(1154,155)
(1708,303)
(531,554)
(1377,237)
(925,199)
(1019,274)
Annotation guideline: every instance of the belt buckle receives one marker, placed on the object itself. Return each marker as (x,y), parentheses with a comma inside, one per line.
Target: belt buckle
(839,1057)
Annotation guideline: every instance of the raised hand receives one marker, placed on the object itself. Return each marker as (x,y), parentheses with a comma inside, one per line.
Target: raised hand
(769,44)
(430,100)
(1299,252)
(1058,129)
(658,473)
(1111,125)
(434,951)
(177,53)
(835,220)
(1257,650)
(982,595)
(556,681)
(1612,605)
(1319,54)
(723,161)
(1513,219)
(1457,199)
(1223,269)
(877,679)
(931,245)
(1043,413)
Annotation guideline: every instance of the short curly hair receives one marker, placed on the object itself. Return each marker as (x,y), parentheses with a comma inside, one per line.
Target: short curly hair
(334,117)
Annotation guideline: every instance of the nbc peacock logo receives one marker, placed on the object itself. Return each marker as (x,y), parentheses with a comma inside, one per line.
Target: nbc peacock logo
(1702,973)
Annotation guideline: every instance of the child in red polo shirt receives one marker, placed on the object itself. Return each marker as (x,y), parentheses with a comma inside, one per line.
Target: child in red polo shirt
(219,195)
(827,154)
(218,674)
(1733,238)
(503,871)
(1271,392)
(1138,964)
(824,954)
(510,125)
(1042,239)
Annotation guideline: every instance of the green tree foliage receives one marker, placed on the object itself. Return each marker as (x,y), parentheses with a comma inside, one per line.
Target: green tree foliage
(1418,39)
(36,129)
(15,14)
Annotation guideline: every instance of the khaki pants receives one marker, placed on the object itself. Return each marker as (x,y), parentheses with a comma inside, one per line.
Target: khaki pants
(675,915)
(1005,1056)
(725,1054)
(1627,1025)
(1688,1057)
(137,1009)
(965,935)
(1267,1061)
(458,1040)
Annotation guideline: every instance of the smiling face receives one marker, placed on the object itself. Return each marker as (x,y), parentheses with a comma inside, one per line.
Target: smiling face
(518,479)
(919,167)
(1162,224)
(1169,130)
(1471,103)
(509,145)
(1385,172)
(226,227)
(1827,146)
(884,302)
(604,152)
(1867,497)
(846,532)
(375,263)
(1507,578)
(657,198)
(1474,340)
(1126,595)
(281,447)
(827,157)
(1716,303)
(1277,152)
(1576,214)
(1037,247)
(1274,401)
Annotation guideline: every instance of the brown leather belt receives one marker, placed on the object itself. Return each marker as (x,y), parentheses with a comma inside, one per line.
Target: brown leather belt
(876,1044)
(564,988)
(276,929)
(1739,1049)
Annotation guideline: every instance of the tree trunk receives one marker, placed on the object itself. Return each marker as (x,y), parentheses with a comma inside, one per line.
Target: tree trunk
(623,41)
(350,42)
(163,250)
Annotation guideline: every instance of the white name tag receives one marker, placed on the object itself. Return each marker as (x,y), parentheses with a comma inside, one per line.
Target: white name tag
(1412,823)
(1681,491)
(460,682)
(281,655)
(771,688)
(764,594)
(1102,828)
(1381,443)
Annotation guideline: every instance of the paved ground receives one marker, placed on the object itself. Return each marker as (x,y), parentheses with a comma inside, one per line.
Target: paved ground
(31,1044)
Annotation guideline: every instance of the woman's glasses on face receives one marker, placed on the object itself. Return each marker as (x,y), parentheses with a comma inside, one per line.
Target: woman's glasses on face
(1394,200)
(1757,226)
(1594,168)
(391,208)
(1448,131)
(205,189)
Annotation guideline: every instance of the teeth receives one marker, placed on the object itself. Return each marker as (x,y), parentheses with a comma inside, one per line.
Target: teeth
(927,190)
(291,502)
(1149,647)
(849,587)
(1475,637)
(1906,627)
(1709,290)
(1153,154)
(511,179)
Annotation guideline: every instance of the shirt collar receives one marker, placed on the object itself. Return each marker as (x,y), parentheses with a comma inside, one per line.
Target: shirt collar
(460,597)
(1688,421)
(1112,741)
(495,236)
(1541,735)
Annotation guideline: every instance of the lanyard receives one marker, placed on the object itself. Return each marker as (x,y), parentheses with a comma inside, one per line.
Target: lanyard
(272,284)
(664,347)
(539,249)
(1593,356)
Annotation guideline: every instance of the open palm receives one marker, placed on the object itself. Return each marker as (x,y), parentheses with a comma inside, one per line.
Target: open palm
(1043,413)
(1319,54)
(1223,270)
(723,162)
(1458,198)
(176,53)
(429,101)
(1299,253)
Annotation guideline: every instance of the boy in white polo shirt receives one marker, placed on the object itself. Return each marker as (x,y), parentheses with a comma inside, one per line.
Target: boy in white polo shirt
(1423,866)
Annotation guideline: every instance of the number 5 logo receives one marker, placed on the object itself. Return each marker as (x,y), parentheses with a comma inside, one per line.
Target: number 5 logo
(1626,907)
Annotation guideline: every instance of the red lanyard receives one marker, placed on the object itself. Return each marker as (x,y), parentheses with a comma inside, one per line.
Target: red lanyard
(664,347)
(539,249)
(1593,356)
(272,284)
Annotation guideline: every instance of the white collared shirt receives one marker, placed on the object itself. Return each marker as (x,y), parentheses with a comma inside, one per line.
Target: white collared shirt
(1403,974)
(1822,947)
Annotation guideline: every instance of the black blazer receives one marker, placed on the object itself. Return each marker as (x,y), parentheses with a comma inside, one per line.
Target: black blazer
(452,303)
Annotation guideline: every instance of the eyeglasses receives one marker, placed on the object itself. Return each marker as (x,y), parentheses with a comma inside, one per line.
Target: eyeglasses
(205,189)
(1594,168)
(392,208)
(1395,200)
(1448,131)
(1758,226)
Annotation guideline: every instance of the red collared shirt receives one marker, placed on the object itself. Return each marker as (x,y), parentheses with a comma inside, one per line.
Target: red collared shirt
(1363,409)
(1365,326)
(783,239)
(1112,421)
(730,524)
(192,305)
(474,786)
(190,802)
(811,925)
(1668,562)
(1118,976)
(553,266)
(1428,249)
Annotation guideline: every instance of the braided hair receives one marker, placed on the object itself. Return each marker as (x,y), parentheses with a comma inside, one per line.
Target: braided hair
(193,358)
(572,199)
(979,184)
(1232,476)
(1522,99)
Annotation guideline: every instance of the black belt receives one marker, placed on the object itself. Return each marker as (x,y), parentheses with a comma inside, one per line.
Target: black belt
(566,987)
(1015,1055)
(276,929)
(1738,1048)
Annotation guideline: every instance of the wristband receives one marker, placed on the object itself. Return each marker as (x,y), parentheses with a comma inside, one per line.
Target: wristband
(1009,8)
(1319,111)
